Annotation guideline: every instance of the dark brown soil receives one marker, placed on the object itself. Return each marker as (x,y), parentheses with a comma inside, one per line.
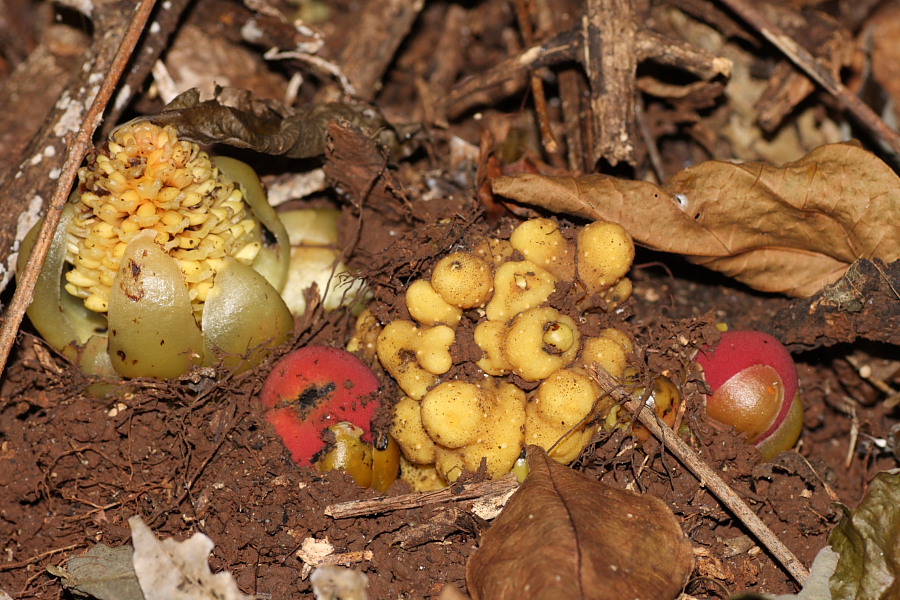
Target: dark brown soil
(75,469)
(196,455)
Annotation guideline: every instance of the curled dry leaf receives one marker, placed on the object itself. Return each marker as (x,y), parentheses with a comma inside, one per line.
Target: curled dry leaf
(564,535)
(241,119)
(790,229)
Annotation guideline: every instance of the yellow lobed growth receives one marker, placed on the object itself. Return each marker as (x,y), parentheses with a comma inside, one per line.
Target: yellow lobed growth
(414,356)
(148,179)
(316,259)
(446,426)
(458,424)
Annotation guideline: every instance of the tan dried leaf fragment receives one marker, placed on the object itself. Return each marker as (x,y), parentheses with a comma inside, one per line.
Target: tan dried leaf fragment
(791,229)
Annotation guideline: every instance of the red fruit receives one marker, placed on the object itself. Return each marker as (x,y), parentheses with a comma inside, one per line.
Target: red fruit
(313,388)
(738,350)
(755,388)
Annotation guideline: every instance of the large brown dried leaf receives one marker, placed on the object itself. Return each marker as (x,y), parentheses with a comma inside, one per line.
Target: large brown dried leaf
(564,535)
(790,229)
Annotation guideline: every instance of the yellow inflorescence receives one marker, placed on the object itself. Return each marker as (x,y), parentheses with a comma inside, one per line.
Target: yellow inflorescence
(149,179)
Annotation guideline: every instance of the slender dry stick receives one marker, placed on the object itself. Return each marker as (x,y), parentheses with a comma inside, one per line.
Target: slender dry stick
(708,478)
(42,555)
(454,493)
(537,86)
(78,147)
(816,71)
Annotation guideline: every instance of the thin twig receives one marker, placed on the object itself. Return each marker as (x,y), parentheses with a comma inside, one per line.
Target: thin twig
(707,477)
(78,148)
(656,161)
(560,48)
(551,145)
(454,493)
(816,71)
(41,556)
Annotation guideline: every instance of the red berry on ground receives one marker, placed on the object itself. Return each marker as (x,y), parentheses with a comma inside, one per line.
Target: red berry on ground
(313,388)
(755,389)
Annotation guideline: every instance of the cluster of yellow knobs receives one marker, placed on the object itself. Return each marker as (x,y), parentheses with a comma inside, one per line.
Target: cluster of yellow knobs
(444,424)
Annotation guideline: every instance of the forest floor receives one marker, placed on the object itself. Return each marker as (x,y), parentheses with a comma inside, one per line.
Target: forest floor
(674,85)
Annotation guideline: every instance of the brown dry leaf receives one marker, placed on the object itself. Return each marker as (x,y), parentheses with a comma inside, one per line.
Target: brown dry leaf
(564,535)
(243,119)
(790,229)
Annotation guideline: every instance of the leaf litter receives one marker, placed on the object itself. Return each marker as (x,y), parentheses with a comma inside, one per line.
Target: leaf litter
(862,560)
(791,229)
(564,535)
(280,509)
(172,570)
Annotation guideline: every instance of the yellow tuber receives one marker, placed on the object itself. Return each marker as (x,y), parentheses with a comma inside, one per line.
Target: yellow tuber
(500,294)
(490,337)
(449,463)
(617,294)
(433,349)
(519,285)
(365,336)
(563,445)
(605,253)
(495,251)
(542,242)
(502,434)
(452,413)
(428,307)
(610,350)
(408,430)
(459,424)
(414,356)
(422,478)
(463,280)
(539,342)
(561,413)
(566,397)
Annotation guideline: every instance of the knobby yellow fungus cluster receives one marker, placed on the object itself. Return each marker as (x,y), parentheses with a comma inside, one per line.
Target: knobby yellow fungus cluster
(445,426)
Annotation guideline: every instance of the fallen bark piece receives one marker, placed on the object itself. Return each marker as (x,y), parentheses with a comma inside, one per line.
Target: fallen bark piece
(860,305)
(564,535)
